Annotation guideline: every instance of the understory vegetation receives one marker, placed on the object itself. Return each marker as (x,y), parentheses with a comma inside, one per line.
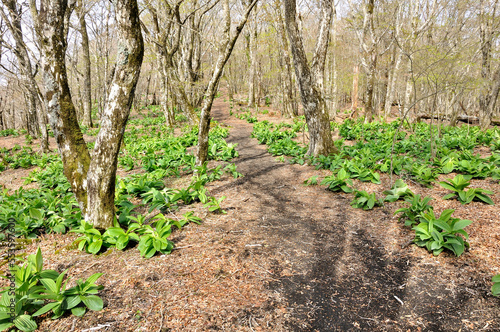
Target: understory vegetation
(151,153)
(416,153)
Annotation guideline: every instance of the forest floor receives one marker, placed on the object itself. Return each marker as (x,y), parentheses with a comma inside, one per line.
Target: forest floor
(289,257)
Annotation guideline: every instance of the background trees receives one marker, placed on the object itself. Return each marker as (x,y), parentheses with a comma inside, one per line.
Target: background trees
(422,59)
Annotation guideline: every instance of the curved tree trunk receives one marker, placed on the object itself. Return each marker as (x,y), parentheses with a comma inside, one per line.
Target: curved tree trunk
(61,110)
(226,48)
(102,171)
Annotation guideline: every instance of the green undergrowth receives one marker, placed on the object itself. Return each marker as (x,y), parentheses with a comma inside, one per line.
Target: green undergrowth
(150,148)
(34,291)
(411,154)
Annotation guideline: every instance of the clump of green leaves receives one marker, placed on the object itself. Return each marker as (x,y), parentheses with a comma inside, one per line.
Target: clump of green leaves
(156,239)
(231,169)
(91,240)
(341,182)
(458,185)
(77,298)
(437,234)
(313,180)
(399,190)
(34,286)
(413,214)
(213,205)
(495,289)
(365,201)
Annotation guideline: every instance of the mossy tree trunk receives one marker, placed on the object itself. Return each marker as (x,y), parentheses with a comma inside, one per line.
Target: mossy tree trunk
(62,113)
(92,181)
(102,171)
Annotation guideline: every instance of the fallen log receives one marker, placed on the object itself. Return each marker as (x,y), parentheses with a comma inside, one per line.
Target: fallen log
(461,118)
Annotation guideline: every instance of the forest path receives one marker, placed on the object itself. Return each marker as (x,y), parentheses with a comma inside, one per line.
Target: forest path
(340,268)
(332,272)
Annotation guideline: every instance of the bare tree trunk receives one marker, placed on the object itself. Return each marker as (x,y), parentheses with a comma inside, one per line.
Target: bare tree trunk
(355,86)
(317,118)
(285,48)
(226,48)
(253,61)
(391,87)
(35,123)
(335,97)
(490,85)
(87,86)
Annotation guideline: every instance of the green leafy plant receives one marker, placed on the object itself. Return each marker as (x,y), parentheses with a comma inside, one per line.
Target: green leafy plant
(495,289)
(156,240)
(399,190)
(363,174)
(424,174)
(413,213)
(313,180)
(341,182)
(91,240)
(213,205)
(365,201)
(437,234)
(459,183)
(231,169)
(35,286)
(120,238)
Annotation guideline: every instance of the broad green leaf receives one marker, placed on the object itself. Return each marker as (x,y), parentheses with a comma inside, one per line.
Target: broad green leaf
(46,308)
(35,213)
(71,301)
(78,311)
(93,302)
(92,279)
(461,224)
(496,278)
(39,260)
(25,323)
(495,289)
(94,247)
(485,199)
(49,285)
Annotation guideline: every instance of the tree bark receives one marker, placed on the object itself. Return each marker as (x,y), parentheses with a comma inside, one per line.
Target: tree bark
(253,61)
(226,48)
(61,110)
(87,84)
(102,170)
(317,118)
(35,124)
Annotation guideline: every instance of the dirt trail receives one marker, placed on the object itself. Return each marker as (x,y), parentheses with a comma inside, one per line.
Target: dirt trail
(330,262)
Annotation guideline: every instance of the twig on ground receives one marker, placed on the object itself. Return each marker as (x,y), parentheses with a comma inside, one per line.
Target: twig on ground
(98,327)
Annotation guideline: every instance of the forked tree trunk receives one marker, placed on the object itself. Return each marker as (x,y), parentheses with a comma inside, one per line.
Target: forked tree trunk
(92,182)
(318,122)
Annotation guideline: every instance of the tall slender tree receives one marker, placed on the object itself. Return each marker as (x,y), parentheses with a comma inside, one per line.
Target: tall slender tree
(309,78)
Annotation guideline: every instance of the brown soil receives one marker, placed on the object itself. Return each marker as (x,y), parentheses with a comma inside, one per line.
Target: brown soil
(287,257)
